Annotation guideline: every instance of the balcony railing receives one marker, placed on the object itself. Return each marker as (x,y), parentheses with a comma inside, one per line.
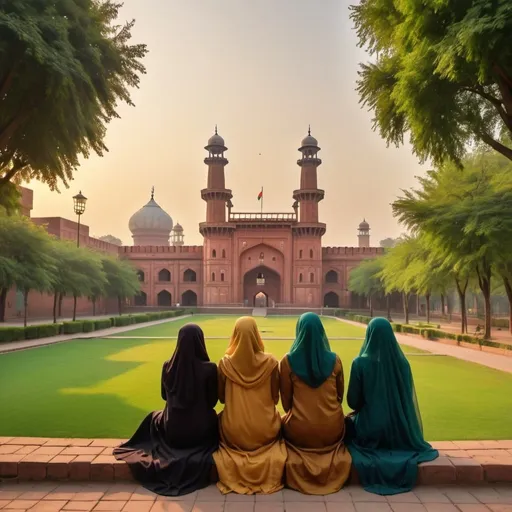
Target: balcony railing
(262,217)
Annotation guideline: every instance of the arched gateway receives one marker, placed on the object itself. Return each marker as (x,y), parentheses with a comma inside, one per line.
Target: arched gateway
(262,283)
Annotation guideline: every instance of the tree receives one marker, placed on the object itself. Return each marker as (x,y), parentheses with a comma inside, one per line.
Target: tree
(365,280)
(64,66)
(122,280)
(111,239)
(469,214)
(79,273)
(442,73)
(395,275)
(24,258)
(388,243)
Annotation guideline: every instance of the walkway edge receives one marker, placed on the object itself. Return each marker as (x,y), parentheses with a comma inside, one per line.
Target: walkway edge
(15,346)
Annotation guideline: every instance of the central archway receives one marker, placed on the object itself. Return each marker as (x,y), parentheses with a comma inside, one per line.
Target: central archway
(271,288)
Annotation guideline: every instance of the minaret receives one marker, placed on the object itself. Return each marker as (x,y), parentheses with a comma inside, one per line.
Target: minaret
(215,194)
(177,236)
(364,234)
(308,196)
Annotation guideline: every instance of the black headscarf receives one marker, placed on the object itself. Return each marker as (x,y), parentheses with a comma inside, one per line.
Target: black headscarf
(180,375)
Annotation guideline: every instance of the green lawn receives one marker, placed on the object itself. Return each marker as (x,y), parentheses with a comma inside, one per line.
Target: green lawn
(104,387)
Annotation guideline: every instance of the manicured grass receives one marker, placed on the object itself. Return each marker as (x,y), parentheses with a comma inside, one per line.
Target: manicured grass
(104,387)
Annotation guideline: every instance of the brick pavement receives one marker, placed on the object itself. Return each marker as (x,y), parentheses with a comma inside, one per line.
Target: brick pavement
(82,460)
(56,497)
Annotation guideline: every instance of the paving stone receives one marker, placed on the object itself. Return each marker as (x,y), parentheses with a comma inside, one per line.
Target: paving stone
(49,506)
(234,497)
(112,443)
(360,495)
(185,506)
(9,449)
(58,468)
(5,440)
(430,495)
(407,507)
(300,506)
(210,493)
(26,450)
(342,496)
(444,445)
(404,497)
(340,507)
(497,471)
(235,506)
(440,507)
(9,465)
(82,450)
(141,494)
(500,508)
(273,507)
(117,496)
(290,495)
(22,504)
(467,470)
(110,505)
(138,506)
(459,496)
(102,468)
(29,440)
(33,495)
(4,503)
(372,507)
(274,497)
(505,444)
(85,506)
(438,471)
(472,507)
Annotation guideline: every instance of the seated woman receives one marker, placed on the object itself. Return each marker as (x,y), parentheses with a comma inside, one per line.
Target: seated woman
(251,455)
(312,384)
(388,442)
(171,452)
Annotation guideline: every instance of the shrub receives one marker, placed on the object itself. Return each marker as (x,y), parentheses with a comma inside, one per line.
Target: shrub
(500,322)
(121,321)
(102,324)
(88,325)
(8,334)
(31,332)
(47,330)
(139,319)
(396,327)
(73,327)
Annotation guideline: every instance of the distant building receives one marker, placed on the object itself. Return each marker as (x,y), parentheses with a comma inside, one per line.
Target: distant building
(264,259)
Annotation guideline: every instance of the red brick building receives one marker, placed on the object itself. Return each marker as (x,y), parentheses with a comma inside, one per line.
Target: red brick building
(246,258)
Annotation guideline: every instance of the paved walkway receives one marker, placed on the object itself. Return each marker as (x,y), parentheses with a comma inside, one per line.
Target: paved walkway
(496,361)
(25,344)
(40,321)
(54,497)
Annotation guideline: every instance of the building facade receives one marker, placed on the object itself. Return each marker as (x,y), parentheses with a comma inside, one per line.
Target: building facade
(247,259)
(250,259)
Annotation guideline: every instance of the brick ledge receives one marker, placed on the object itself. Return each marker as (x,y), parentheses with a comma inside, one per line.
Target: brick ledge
(36,459)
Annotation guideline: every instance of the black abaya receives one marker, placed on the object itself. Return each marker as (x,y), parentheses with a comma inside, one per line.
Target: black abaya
(171,451)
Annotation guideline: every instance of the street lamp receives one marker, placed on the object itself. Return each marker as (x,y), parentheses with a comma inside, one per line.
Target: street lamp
(79,205)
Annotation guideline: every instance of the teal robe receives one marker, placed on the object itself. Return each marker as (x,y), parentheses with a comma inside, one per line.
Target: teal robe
(388,443)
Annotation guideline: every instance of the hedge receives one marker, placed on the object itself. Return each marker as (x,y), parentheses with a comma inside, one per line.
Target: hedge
(8,334)
(72,327)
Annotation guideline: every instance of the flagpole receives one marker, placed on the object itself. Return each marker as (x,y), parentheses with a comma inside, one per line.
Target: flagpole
(261,211)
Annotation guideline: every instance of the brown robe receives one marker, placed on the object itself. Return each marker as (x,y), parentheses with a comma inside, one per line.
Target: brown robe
(251,455)
(314,425)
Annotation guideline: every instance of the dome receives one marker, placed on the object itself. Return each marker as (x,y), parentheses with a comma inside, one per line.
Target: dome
(178,227)
(364,226)
(150,218)
(215,139)
(309,140)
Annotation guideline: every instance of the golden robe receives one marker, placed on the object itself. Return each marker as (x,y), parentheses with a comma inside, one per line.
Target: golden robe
(251,454)
(318,461)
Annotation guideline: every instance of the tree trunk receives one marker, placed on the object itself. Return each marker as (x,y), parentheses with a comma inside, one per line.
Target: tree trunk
(442,304)
(427,298)
(119,305)
(418,305)
(55,302)
(484,281)
(388,306)
(405,298)
(61,297)
(3,303)
(25,308)
(94,306)
(74,308)
(371,305)
(508,289)
(461,290)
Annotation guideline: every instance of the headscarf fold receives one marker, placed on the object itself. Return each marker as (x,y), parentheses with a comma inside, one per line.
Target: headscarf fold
(310,357)
(245,361)
(180,374)
(395,384)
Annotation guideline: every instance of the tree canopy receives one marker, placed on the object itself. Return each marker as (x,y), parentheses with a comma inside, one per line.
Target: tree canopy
(442,73)
(64,67)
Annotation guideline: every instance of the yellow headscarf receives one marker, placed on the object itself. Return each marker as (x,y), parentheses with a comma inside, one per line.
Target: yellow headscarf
(245,362)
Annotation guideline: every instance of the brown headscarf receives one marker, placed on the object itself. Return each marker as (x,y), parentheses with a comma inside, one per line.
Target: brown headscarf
(245,361)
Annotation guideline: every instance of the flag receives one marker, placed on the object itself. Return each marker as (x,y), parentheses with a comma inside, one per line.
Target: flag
(260,195)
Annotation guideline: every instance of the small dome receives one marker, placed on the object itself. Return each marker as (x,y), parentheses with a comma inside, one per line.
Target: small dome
(309,140)
(215,139)
(364,226)
(150,218)
(178,227)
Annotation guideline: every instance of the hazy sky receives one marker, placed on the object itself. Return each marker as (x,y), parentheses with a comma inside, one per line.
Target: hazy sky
(262,71)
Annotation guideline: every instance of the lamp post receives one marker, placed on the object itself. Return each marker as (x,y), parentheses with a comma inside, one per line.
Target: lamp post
(79,205)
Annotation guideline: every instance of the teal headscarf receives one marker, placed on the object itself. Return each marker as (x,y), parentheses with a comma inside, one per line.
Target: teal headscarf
(388,443)
(310,357)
